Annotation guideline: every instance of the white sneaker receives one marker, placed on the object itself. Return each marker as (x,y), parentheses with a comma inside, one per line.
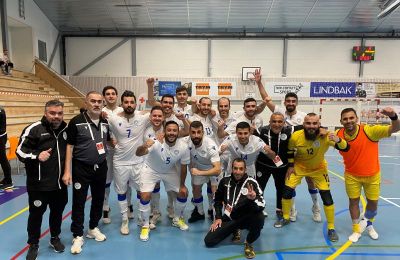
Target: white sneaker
(316,210)
(77,244)
(125,227)
(372,233)
(180,223)
(170,211)
(144,234)
(154,219)
(96,234)
(293,215)
(354,237)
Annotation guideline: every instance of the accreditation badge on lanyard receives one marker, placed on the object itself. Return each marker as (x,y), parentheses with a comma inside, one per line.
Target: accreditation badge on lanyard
(277,160)
(99,145)
(229,207)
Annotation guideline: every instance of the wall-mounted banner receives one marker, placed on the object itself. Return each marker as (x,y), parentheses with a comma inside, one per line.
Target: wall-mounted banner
(214,89)
(333,89)
(280,89)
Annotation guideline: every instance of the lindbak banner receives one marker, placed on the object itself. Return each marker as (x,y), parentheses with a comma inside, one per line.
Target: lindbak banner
(333,89)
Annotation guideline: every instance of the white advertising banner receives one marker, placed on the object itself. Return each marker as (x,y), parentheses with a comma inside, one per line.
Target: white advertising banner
(280,89)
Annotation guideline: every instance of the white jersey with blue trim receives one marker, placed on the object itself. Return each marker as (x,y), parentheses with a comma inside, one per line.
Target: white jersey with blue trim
(162,157)
(291,120)
(207,126)
(129,135)
(248,152)
(149,133)
(187,110)
(176,120)
(204,156)
(257,122)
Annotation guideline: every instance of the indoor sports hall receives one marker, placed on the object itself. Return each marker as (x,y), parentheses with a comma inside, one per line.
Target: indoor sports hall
(333,54)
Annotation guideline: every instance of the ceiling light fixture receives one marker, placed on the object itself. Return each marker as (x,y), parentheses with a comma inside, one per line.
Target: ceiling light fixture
(388,8)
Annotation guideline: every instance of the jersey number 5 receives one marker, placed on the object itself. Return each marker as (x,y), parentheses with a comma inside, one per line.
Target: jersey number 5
(168,160)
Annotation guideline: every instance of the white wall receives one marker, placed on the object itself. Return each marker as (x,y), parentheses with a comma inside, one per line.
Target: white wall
(42,28)
(387,59)
(321,58)
(171,57)
(21,47)
(81,51)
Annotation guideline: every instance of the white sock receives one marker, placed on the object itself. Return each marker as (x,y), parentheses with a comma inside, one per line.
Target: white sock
(171,198)
(123,205)
(179,208)
(145,213)
(155,201)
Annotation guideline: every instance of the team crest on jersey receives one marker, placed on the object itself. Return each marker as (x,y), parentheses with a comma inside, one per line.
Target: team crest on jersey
(316,143)
(244,191)
(202,153)
(176,152)
(65,135)
(77,186)
(259,174)
(37,203)
(299,120)
(135,122)
(283,137)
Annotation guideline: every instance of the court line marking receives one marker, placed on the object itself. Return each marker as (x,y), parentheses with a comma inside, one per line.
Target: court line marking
(348,243)
(14,215)
(391,202)
(46,232)
(393,198)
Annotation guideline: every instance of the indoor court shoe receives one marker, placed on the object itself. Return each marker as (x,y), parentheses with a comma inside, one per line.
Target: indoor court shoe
(282,222)
(144,234)
(249,251)
(363,224)
(131,215)
(180,223)
(293,215)
(354,237)
(56,244)
(154,219)
(77,244)
(236,236)
(195,216)
(6,185)
(372,233)
(332,235)
(106,216)
(279,217)
(124,227)
(96,234)
(32,252)
(316,213)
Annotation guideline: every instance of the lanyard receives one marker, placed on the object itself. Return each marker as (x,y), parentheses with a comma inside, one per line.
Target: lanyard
(90,128)
(234,191)
(269,140)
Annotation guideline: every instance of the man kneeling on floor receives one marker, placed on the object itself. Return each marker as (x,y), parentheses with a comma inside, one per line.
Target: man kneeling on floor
(244,204)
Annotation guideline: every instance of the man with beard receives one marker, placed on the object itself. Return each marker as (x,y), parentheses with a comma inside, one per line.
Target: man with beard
(309,160)
(242,200)
(86,153)
(42,149)
(155,131)
(362,169)
(250,116)
(128,129)
(293,117)
(158,166)
(205,162)
(110,95)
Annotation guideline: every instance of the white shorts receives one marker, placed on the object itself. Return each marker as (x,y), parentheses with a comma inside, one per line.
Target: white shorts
(124,174)
(200,180)
(110,165)
(149,178)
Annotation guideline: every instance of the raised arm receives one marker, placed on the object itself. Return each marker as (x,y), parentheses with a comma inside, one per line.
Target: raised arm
(264,95)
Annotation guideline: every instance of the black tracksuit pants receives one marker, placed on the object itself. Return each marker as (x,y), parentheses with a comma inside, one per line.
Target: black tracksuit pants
(38,201)
(83,176)
(5,164)
(254,222)
(279,178)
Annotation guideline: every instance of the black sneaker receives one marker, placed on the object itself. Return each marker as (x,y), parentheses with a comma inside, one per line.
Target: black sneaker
(196,216)
(6,185)
(32,252)
(55,243)
(332,235)
(211,214)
